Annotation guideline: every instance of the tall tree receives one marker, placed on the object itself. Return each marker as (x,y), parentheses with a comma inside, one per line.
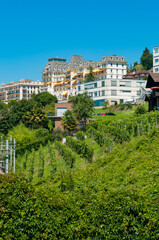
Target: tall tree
(69,121)
(82,106)
(147,59)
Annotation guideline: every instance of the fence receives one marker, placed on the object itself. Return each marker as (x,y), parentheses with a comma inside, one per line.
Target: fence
(7,155)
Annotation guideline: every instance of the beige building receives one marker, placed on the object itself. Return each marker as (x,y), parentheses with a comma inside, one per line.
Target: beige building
(23,89)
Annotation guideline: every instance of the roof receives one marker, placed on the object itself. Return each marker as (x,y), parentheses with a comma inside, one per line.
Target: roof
(155,76)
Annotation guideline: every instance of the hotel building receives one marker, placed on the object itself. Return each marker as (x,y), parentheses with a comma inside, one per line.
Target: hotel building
(61,79)
(19,90)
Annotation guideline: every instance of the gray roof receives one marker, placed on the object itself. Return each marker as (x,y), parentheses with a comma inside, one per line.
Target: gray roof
(113,58)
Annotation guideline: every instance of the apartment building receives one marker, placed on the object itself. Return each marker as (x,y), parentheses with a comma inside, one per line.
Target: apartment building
(156,59)
(116,66)
(61,79)
(19,90)
(113,90)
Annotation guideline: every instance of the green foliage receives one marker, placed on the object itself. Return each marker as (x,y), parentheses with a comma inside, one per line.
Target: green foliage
(22,134)
(90,77)
(69,121)
(41,163)
(138,67)
(41,132)
(140,110)
(80,135)
(100,138)
(82,106)
(147,59)
(67,155)
(81,148)
(45,98)
(105,104)
(34,144)
(57,135)
(36,118)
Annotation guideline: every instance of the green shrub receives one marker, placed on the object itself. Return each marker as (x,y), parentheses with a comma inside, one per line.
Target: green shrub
(140,110)
(81,148)
(80,135)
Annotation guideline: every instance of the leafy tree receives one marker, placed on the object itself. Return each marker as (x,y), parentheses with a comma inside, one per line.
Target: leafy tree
(90,77)
(138,67)
(36,118)
(147,59)
(44,98)
(69,121)
(135,63)
(82,106)
(105,104)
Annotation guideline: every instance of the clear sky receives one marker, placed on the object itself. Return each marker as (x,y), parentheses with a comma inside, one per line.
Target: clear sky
(34,30)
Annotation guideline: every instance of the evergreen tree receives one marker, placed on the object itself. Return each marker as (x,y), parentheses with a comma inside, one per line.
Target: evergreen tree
(147,59)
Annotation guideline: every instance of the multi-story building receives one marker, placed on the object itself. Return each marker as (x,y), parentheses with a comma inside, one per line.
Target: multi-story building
(60,78)
(115,66)
(156,59)
(113,90)
(19,90)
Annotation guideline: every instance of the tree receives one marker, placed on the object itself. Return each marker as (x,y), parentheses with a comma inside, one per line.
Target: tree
(147,59)
(105,104)
(69,121)
(82,106)
(138,67)
(90,77)
(135,63)
(36,118)
(45,98)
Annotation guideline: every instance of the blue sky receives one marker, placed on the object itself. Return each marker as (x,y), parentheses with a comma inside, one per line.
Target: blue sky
(33,31)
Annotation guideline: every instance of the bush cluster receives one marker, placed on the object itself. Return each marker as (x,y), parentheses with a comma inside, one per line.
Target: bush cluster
(67,155)
(80,147)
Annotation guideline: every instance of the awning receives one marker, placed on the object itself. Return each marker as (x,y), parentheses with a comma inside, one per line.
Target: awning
(74,81)
(64,93)
(46,83)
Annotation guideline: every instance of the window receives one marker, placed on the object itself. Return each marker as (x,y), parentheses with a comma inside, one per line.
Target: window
(79,88)
(125,83)
(103,92)
(113,92)
(103,83)
(156,50)
(113,83)
(95,94)
(156,70)
(138,92)
(156,60)
(125,91)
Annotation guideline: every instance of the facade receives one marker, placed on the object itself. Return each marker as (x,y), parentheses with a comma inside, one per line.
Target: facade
(153,96)
(19,90)
(156,59)
(61,79)
(113,90)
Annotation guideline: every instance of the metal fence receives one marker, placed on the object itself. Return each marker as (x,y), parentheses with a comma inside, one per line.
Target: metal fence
(7,155)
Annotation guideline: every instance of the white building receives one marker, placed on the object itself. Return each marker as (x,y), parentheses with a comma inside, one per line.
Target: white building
(113,90)
(116,66)
(156,59)
(60,78)
(23,89)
